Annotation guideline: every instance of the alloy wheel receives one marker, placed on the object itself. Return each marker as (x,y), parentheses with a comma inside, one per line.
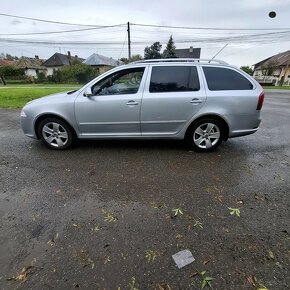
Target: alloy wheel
(55,134)
(206,135)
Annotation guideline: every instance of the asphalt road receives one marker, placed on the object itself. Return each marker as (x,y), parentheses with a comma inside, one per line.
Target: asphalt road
(99,216)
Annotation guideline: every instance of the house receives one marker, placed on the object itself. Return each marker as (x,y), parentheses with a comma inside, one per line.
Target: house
(188,52)
(274,70)
(58,60)
(31,66)
(101,63)
(6,62)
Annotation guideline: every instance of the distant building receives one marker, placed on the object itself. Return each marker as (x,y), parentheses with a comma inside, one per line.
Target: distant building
(58,60)
(101,63)
(31,66)
(188,52)
(274,70)
(5,62)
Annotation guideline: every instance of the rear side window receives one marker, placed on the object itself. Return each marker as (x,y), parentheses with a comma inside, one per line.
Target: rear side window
(221,79)
(165,79)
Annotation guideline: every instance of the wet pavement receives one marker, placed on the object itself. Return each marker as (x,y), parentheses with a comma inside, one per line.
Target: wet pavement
(100,216)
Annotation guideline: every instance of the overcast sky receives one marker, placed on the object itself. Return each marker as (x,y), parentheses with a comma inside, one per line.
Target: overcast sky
(190,13)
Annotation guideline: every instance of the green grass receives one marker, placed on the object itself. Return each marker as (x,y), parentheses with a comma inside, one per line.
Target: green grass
(277,88)
(14,97)
(40,85)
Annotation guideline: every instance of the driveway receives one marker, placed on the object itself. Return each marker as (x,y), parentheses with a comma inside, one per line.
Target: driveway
(100,216)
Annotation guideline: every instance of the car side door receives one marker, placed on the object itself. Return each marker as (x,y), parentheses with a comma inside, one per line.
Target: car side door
(113,107)
(172,96)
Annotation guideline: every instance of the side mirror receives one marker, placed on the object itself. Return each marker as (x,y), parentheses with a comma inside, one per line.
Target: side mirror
(88,92)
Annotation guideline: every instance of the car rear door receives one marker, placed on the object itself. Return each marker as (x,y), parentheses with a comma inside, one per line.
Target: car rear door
(173,94)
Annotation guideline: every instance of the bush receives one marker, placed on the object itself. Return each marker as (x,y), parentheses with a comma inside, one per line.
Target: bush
(41,78)
(55,77)
(79,72)
(11,71)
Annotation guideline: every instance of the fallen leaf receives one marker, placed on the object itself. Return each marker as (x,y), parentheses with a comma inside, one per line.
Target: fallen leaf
(50,242)
(193,274)
(22,276)
(271,255)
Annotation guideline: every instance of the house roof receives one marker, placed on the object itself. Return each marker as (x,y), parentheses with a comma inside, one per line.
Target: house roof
(97,59)
(59,59)
(28,62)
(280,59)
(6,62)
(188,52)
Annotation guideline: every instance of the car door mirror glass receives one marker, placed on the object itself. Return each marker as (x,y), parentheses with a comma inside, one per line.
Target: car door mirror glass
(88,92)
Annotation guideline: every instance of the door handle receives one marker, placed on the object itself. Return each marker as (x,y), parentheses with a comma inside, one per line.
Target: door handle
(196,101)
(132,103)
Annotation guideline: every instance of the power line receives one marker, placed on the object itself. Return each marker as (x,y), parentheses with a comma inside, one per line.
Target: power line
(46,21)
(203,28)
(62,31)
(254,37)
(123,45)
(142,25)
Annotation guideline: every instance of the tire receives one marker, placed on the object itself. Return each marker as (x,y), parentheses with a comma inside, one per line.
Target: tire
(205,135)
(55,133)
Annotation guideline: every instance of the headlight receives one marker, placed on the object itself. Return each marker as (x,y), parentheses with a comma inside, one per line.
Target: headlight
(23,114)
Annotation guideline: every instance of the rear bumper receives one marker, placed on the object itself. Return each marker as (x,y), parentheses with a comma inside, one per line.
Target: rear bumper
(27,125)
(241,125)
(239,133)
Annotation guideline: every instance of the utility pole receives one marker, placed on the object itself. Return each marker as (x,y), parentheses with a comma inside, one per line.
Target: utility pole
(129,40)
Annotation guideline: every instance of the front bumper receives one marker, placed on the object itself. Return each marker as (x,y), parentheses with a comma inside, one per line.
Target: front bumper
(27,125)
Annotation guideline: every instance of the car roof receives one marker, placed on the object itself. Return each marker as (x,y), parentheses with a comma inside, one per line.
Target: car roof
(179,61)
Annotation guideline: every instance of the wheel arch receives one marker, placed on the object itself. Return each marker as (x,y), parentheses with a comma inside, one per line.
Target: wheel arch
(210,116)
(40,118)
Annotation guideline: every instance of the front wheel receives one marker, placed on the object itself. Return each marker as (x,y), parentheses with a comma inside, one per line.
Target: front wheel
(55,133)
(205,135)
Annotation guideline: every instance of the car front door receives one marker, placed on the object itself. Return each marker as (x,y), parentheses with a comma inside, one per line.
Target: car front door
(113,107)
(172,96)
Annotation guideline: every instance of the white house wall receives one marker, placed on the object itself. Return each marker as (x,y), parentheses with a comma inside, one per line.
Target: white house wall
(49,70)
(30,72)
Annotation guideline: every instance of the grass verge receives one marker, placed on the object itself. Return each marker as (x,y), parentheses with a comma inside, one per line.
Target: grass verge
(18,97)
(276,88)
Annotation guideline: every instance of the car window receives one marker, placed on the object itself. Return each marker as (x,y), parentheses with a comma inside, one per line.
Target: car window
(220,79)
(120,83)
(174,79)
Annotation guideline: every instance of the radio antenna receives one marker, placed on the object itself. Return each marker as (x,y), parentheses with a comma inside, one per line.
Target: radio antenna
(219,52)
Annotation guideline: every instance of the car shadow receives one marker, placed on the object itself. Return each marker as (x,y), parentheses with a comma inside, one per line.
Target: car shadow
(131,144)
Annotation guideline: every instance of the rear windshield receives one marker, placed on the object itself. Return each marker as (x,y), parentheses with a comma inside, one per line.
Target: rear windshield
(174,79)
(221,79)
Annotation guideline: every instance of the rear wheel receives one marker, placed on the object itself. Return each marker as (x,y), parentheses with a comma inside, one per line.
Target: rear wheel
(55,133)
(205,135)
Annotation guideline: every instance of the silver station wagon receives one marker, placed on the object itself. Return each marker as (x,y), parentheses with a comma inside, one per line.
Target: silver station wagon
(201,101)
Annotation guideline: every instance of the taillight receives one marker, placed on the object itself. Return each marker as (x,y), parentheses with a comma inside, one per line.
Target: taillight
(260,101)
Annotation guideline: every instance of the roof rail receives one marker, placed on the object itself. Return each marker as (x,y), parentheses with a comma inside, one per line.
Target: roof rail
(198,60)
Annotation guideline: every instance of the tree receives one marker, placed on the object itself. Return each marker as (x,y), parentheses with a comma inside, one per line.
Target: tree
(153,51)
(8,56)
(134,57)
(77,72)
(247,69)
(268,68)
(169,51)
(40,77)
(7,71)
